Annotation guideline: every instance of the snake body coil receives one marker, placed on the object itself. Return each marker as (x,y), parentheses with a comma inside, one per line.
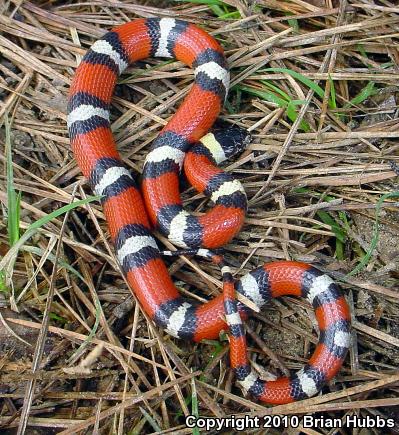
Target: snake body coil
(130,222)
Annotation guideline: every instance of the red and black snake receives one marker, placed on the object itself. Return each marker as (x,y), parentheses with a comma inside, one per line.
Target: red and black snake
(130,219)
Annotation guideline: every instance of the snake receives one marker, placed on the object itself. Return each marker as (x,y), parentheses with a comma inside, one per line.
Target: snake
(135,208)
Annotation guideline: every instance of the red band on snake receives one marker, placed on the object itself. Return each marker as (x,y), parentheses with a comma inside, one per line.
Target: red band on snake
(130,221)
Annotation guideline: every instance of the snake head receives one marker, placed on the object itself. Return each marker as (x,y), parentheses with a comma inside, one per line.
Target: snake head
(232,139)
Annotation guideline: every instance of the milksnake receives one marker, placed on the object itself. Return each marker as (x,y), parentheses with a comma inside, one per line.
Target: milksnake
(132,213)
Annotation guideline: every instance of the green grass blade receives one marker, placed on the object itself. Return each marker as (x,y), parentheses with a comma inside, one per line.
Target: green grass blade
(362,51)
(7,261)
(60,211)
(233,15)
(289,104)
(300,77)
(150,420)
(293,115)
(335,228)
(217,10)
(294,24)
(13,198)
(376,234)
(187,401)
(365,93)
(339,250)
(3,285)
(333,100)
(340,235)
(265,95)
(194,405)
(276,89)
(57,318)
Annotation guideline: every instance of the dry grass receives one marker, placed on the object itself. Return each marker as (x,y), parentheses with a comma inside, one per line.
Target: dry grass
(77,353)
